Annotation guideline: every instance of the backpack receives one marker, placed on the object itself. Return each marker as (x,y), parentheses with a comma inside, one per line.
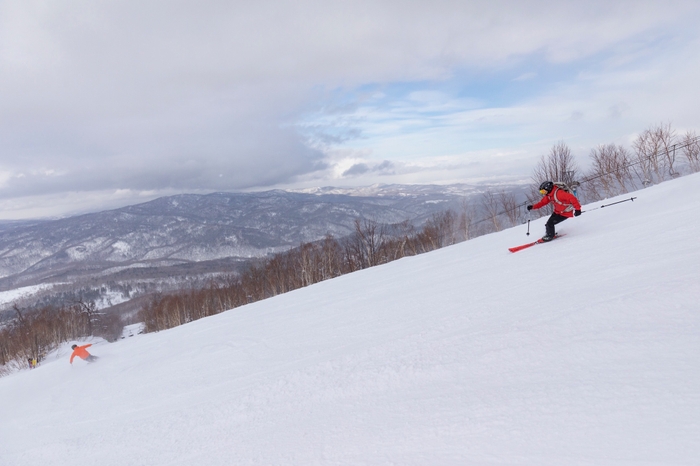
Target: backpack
(569,188)
(563,186)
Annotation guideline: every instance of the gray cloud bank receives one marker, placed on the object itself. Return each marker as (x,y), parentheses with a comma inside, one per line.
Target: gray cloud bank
(180,95)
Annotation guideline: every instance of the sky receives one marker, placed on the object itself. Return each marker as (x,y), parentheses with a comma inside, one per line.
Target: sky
(583,351)
(112,103)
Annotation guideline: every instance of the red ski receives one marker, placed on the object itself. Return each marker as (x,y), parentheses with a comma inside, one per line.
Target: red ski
(539,241)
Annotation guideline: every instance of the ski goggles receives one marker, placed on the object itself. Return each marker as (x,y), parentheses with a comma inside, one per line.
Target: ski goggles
(543,191)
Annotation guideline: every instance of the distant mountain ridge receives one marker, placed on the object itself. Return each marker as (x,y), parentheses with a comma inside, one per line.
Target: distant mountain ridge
(189,228)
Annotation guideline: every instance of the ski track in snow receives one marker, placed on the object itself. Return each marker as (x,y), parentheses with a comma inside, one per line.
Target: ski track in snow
(584,351)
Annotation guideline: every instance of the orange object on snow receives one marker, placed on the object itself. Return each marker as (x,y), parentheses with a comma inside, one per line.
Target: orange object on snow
(81,352)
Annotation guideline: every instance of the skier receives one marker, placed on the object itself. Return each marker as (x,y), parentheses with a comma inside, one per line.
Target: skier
(565,206)
(82,353)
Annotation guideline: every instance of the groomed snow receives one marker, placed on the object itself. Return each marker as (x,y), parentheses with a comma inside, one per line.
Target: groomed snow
(584,351)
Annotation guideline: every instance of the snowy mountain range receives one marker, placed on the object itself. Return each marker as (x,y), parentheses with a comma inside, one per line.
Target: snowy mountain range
(167,235)
(583,351)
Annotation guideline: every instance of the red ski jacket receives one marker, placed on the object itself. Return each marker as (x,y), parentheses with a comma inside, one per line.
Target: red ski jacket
(81,352)
(564,203)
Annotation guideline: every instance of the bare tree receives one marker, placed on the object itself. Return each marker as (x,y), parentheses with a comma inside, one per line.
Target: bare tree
(610,173)
(331,258)
(467,215)
(656,154)
(558,165)
(440,230)
(367,242)
(509,206)
(691,150)
(490,203)
(667,140)
(403,244)
(89,311)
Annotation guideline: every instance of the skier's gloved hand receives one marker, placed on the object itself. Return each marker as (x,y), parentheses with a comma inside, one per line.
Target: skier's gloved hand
(577,213)
(529,207)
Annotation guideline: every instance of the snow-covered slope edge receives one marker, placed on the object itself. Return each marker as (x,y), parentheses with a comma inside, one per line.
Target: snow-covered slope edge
(584,351)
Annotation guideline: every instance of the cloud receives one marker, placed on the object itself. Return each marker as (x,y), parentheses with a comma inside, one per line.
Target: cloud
(385,168)
(357,169)
(217,95)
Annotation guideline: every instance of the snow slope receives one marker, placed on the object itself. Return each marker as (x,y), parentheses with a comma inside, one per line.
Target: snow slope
(7,297)
(584,351)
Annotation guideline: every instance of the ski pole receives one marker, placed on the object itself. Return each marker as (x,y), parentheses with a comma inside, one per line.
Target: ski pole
(608,205)
(630,199)
(528,224)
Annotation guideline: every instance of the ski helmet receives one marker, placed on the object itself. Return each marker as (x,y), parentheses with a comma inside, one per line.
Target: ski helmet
(546,186)
(74,346)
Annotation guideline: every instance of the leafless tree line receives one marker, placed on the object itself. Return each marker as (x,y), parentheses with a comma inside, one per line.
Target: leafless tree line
(371,244)
(31,334)
(657,154)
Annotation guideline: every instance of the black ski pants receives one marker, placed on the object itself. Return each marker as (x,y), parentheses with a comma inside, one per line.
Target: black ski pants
(553,220)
